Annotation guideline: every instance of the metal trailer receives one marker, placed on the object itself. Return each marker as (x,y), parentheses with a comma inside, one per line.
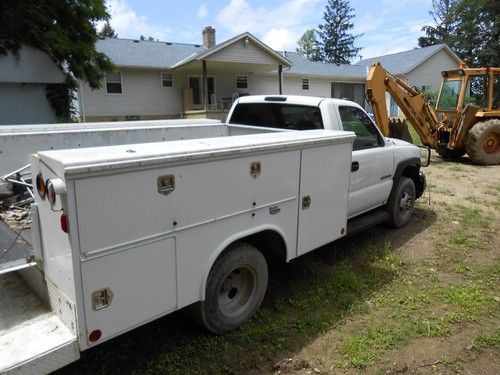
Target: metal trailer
(17,142)
(126,234)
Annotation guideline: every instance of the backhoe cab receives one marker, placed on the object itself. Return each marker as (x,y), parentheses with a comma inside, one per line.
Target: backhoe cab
(466,117)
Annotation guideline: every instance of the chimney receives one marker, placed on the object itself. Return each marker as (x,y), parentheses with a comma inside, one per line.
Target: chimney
(208,37)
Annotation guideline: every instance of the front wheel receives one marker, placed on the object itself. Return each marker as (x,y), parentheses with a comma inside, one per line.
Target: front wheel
(401,204)
(235,289)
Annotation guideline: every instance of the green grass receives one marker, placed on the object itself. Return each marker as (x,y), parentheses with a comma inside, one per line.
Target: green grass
(485,340)
(362,349)
(391,299)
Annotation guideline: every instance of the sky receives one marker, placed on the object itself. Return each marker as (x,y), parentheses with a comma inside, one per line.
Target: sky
(387,26)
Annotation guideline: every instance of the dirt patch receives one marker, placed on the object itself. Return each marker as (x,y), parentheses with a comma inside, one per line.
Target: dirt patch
(442,255)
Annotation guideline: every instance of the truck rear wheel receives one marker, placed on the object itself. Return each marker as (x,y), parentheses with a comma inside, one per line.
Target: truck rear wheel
(401,203)
(483,142)
(235,289)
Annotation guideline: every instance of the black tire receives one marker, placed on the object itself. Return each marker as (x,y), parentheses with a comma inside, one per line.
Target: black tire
(449,154)
(401,204)
(483,142)
(235,289)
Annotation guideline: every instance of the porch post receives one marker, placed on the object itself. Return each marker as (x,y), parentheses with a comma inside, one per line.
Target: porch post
(205,85)
(280,83)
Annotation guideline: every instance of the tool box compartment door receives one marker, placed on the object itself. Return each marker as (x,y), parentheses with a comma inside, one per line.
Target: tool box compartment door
(130,287)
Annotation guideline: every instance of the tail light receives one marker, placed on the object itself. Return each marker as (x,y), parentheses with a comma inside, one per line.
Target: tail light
(64,222)
(54,187)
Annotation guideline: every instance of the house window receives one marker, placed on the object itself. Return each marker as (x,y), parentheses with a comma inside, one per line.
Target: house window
(350,91)
(114,83)
(166,80)
(305,83)
(241,82)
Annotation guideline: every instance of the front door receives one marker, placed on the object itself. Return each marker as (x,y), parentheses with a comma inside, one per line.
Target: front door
(196,84)
(372,163)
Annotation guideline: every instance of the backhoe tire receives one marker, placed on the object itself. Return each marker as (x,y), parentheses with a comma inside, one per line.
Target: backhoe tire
(234,290)
(483,142)
(401,203)
(449,154)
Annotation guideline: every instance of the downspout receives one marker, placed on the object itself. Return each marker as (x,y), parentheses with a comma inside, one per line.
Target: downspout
(205,85)
(280,78)
(82,103)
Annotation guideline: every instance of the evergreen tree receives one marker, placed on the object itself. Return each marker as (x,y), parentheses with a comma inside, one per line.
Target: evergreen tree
(336,43)
(308,46)
(444,16)
(471,28)
(107,32)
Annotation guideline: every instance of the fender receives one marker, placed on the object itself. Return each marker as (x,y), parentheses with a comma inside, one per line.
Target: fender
(420,180)
(234,238)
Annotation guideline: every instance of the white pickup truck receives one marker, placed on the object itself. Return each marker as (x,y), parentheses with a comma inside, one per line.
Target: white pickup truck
(385,172)
(125,234)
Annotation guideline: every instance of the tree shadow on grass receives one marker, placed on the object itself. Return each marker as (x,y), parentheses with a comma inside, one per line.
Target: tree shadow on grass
(307,297)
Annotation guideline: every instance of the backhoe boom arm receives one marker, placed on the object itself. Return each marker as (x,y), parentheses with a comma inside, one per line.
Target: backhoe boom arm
(412,103)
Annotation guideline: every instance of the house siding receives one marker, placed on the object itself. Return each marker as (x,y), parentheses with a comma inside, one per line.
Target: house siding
(428,73)
(142,95)
(24,104)
(239,51)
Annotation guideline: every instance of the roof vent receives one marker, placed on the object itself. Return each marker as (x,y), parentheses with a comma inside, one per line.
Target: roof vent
(136,41)
(168,43)
(197,45)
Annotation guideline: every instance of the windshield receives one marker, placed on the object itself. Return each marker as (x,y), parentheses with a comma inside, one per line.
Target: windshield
(449,94)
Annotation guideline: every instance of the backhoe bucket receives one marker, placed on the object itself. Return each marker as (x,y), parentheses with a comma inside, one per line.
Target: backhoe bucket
(399,129)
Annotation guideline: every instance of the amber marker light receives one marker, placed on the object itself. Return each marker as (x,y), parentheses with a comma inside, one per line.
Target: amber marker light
(40,186)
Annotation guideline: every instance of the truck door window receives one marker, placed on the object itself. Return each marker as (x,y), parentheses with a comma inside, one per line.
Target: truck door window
(496,91)
(355,120)
(477,91)
(448,98)
(278,115)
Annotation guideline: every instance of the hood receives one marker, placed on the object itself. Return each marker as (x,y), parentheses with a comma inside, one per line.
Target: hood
(400,142)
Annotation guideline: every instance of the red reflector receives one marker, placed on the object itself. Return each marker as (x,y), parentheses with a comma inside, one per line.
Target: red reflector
(342,231)
(64,223)
(95,335)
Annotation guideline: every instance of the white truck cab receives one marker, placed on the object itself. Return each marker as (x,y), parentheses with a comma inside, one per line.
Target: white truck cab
(378,163)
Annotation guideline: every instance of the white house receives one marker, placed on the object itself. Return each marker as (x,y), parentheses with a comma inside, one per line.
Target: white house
(158,80)
(420,67)
(23,80)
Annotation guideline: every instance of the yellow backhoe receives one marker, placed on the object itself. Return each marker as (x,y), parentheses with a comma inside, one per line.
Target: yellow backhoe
(466,118)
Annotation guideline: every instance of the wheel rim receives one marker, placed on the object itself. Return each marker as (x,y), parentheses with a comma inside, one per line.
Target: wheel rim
(406,202)
(237,291)
(491,143)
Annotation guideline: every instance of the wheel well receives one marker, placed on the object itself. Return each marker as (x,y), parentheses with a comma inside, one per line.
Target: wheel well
(412,172)
(270,243)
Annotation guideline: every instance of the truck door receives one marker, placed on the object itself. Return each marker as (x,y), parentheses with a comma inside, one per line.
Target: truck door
(372,162)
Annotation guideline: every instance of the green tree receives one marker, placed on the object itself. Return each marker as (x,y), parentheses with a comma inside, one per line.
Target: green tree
(107,32)
(65,30)
(445,24)
(149,38)
(336,41)
(471,28)
(308,46)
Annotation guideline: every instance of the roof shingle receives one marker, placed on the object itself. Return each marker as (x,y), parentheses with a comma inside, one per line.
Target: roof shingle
(403,62)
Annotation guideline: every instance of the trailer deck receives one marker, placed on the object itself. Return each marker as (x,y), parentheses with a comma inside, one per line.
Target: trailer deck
(29,331)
